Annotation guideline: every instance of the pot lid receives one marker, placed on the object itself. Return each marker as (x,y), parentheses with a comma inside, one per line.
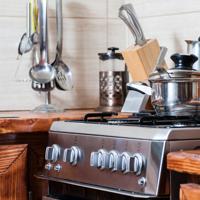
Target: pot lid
(111,54)
(183,68)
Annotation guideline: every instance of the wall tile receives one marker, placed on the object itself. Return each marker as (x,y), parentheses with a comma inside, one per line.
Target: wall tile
(71,8)
(113,7)
(150,8)
(117,33)
(86,33)
(83,39)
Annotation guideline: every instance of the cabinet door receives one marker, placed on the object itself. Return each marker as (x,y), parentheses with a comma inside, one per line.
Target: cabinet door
(190,191)
(13,172)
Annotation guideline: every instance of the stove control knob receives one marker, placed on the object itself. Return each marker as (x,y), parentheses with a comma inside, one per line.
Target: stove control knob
(93,159)
(115,160)
(142,181)
(72,155)
(139,162)
(103,159)
(48,166)
(52,153)
(126,162)
(58,167)
(100,159)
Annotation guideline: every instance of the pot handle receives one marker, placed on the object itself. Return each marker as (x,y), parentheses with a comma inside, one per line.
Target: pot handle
(140,87)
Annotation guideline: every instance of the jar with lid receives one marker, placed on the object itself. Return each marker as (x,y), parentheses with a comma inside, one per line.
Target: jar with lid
(113,77)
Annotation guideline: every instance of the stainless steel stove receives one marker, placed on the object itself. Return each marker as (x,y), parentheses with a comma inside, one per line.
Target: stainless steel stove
(125,156)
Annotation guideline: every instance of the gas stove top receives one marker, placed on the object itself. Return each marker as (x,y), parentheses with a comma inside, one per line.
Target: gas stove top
(139,127)
(145,120)
(125,156)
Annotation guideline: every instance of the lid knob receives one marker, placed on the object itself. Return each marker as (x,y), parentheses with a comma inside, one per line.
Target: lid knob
(113,49)
(182,61)
(111,54)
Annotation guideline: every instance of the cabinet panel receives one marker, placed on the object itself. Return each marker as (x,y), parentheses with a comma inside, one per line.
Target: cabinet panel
(13,172)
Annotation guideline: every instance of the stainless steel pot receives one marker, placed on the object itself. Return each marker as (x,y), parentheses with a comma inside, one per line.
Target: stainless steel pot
(177,91)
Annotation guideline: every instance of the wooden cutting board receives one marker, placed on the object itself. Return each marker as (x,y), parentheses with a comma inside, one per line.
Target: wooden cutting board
(141,60)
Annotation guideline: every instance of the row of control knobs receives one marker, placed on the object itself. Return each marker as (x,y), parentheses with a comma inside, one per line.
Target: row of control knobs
(102,159)
(71,155)
(113,160)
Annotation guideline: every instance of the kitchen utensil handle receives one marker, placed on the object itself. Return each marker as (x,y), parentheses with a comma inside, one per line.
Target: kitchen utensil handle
(34,17)
(43,31)
(160,61)
(161,57)
(130,10)
(28,18)
(127,22)
(59,21)
(129,19)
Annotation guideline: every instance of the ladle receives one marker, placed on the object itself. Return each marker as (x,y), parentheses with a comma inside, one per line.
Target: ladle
(63,73)
(43,72)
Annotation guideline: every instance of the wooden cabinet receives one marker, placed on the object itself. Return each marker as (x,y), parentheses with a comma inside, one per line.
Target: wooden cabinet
(35,143)
(32,129)
(13,172)
(185,172)
(190,192)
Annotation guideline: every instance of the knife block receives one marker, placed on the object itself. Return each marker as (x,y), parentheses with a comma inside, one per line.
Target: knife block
(141,60)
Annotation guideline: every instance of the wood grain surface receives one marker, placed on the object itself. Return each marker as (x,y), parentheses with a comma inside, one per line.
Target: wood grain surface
(141,60)
(35,158)
(26,122)
(13,168)
(29,122)
(184,161)
(190,192)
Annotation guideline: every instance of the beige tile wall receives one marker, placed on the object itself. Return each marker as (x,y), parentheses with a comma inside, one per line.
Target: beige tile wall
(86,29)
(172,22)
(90,26)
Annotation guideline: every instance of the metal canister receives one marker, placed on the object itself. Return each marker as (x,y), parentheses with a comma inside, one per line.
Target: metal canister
(113,77)
(193,47)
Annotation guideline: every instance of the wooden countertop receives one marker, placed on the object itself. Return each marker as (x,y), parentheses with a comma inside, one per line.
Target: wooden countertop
(184,161)
(27,121)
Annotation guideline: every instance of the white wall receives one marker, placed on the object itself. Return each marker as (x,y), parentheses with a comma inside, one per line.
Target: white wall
(90,26)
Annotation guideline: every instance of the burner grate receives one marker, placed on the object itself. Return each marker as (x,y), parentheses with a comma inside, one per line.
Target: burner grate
(143,120)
